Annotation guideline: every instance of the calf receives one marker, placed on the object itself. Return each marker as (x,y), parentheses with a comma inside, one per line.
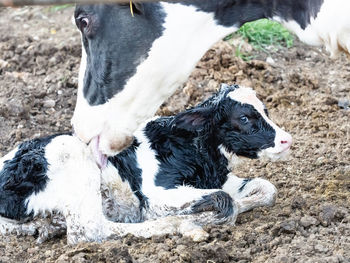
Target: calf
(158,47)
(177,166)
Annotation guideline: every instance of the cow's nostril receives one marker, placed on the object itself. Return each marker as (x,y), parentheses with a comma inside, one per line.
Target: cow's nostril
(283,142)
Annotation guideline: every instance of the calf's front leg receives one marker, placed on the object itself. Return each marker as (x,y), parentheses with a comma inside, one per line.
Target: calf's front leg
(250,193)
(186,200)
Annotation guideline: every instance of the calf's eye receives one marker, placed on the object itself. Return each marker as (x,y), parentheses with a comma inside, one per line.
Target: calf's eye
(243,119)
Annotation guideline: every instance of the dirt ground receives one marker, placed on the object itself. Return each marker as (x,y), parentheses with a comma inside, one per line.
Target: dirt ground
(305,91)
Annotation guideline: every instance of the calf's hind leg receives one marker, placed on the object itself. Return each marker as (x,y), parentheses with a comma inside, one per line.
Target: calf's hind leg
(74,191)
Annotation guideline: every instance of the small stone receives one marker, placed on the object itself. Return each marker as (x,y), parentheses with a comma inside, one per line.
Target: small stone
(332,259)
(32,250)
(3,63)
(320,160)
(288,226)
(39,94)
(298,202)
(13,108)
(344,104)
(49,103)
(327,214)
(270,60)
(330,101)
(321,249)
(53,60)
(307,221)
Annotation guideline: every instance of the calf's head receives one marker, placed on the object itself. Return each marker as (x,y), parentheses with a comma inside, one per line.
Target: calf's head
(237,122)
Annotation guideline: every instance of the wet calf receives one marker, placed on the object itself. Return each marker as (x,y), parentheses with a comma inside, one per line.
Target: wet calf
(175,177)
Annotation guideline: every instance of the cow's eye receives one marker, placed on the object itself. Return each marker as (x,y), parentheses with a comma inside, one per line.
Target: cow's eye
(82,22)
(243,119)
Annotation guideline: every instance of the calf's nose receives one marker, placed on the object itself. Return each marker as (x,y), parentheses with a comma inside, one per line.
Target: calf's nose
(286,140)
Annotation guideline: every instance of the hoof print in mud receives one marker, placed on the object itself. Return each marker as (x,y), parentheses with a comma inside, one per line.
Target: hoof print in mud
(220,202)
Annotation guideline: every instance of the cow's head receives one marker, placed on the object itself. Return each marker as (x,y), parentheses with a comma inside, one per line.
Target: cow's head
(115,42)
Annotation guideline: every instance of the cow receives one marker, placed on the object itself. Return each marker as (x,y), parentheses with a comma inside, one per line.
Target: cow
(176,176)
(131,63)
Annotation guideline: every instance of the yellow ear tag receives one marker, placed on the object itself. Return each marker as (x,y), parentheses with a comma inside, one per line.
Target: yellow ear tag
(131,10)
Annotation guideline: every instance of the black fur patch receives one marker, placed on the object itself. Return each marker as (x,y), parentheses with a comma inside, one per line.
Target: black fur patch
(126,163)
(244,183)
(238,12)
(219,201)
(22,176)
(186,157)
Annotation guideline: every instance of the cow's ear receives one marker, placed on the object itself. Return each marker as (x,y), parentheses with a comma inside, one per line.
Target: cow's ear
(137,8)
(193,119)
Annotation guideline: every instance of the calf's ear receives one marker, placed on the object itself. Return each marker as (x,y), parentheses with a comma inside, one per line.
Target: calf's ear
(193,120)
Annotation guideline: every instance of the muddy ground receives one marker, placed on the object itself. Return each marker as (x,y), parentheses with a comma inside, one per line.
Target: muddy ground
(305,91)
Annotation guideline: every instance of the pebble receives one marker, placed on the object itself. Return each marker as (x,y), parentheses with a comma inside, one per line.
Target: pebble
(320,160)
(271,61)
(307,221)
(327,214)
(298,202)
(3,63)
(321,249)
(344,104)
(49,103)
(288,226)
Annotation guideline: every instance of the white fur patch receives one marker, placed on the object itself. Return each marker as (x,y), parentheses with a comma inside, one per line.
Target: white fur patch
(331,27)
(233,160)
(70,164)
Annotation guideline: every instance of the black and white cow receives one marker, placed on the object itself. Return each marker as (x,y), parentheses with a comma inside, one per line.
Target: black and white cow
(131,64)
(177,166)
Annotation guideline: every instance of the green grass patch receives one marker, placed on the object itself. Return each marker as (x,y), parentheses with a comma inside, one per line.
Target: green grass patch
(264,33)
(57,8)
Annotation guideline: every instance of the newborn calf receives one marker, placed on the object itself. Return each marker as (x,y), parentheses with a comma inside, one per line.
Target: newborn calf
(177,166)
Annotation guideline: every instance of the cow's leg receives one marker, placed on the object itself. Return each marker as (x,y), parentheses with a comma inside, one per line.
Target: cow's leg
(250,193)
